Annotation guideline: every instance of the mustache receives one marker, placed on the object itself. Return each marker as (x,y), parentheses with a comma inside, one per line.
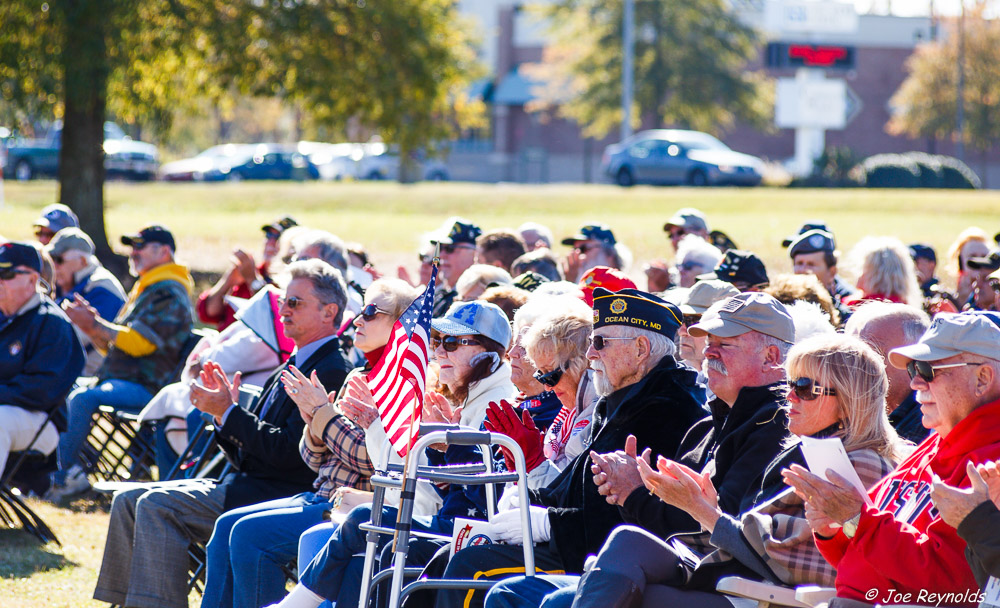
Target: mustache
(597,366)
(715,365)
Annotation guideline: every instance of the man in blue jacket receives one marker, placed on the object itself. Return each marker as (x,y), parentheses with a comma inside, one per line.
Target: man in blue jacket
(40,356)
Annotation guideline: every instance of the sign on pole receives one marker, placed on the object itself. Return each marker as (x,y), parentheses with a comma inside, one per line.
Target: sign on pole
(818,104)
(805,17)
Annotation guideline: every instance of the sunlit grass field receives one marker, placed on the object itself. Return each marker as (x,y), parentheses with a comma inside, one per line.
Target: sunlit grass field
(211,219)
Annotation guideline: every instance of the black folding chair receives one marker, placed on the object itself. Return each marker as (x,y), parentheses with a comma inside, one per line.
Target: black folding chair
(13,509)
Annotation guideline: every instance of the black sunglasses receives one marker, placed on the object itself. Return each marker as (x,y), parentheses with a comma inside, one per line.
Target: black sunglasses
(8,274)
(806,389)
(451,248)
(549,379)
(292,302)
(451,343)
(598,342)
(368,313)
(926,371)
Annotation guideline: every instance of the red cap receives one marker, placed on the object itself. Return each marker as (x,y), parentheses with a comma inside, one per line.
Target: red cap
(606,277)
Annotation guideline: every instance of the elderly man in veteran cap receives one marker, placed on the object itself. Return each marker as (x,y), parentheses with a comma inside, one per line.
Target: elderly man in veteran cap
(814,252)
(645,393)
(41,356)
(457,239)
(143,345)
(594,245)
(899,529)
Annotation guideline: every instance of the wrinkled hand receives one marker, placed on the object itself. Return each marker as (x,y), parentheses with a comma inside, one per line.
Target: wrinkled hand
(571,265)
(501,418)
(81,313)
(615,474)
(358,404)
(308,394)
(244,265)
(508,525)
(828,505)
(681,486)
(215,394)
(990,472)
(437,409)
(953,503)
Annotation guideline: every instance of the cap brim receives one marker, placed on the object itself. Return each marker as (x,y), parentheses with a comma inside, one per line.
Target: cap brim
(718,327)
(899,357)
(692,310)
(451,327)
(786,242)
(43,222)
(131,240)
(574,239)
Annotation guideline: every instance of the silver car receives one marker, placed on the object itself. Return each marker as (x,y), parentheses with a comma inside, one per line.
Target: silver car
(675,156)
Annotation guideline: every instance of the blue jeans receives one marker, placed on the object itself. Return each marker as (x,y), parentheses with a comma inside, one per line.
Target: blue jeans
(81,404)
(311,542)
(325,574)
(556,591)
(250,545)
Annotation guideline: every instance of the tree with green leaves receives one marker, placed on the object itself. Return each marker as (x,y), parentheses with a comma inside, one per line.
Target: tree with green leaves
(691,65)
(926,103)
(398,66)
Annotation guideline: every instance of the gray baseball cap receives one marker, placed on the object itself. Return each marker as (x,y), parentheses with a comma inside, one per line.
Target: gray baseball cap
(949,335)
(475,318)
(705,293)
(70,239)
(688,218)
(746,312)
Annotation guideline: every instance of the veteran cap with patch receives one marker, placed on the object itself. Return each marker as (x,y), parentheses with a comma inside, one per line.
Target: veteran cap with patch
(150,234)
(458,230)
(529,280)
(744,313)
(13,255)
(741,268)
(279,225)
(57,216)
(949,335)
(634,308)
(810,225)
(812,241)
(592,232)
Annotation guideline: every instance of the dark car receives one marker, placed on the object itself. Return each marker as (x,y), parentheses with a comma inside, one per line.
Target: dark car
(675,156)
(265,161)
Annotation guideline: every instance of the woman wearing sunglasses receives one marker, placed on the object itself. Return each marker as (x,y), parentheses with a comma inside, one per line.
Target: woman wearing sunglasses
(251,545)
(837,388)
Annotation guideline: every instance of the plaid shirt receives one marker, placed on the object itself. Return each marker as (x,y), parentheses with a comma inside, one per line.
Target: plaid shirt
(342,458)
(777,535)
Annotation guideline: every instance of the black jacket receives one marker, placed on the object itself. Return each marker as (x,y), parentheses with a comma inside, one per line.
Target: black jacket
(40,359)
(979,531)
(658,410)
(737,444)
(265,452)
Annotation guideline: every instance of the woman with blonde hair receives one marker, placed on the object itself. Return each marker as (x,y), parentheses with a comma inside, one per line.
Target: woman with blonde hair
(885,272)
(970,243)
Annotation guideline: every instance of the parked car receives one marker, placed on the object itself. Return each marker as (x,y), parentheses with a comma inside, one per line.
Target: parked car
(333,161)
(674,156)
(382,162)
(218,159)
(264,161)
(123,157)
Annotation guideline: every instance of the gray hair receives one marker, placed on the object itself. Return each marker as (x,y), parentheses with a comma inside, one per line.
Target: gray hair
(482,274)
(885,268)
(809,320)
(660,346)
(763,341)
(331,248)
(543,232)
(693,248)
(913,321)
(327,281)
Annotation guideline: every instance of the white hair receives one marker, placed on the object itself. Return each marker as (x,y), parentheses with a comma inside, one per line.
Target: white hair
(542,305)
(693,248)
(483,274)
(660,346)
(543,232)
(884,268)
(809,320)
(557,288)
(913,321)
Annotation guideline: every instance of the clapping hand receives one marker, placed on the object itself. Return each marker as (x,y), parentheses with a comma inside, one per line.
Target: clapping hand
(213,393)
(308,394)
(358,404)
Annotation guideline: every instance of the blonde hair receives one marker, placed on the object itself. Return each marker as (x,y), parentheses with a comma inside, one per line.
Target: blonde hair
(972,233)
(885,268)
(564,336)
(857,373)
(398,292)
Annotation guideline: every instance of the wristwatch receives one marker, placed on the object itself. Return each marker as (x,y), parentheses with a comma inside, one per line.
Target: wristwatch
(850,526)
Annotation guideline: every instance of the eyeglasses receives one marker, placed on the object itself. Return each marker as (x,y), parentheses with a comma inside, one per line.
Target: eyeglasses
(451,343)
(42,232)
(582,249)
(368,313)
(690,320)
(10,273)
(926,371)
(676,234)
(598,342)
(806,389)
(292,302)
(549,379)
(451,248)
(57,259)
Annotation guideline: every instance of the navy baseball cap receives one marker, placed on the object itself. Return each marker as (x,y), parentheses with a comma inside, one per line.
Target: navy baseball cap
(150,234)
(989,262)
(460,231)
(811,241)
(280,225)
(810,225)
(920,251)
(596,232)
(13,255)
(741,267)
(57,216)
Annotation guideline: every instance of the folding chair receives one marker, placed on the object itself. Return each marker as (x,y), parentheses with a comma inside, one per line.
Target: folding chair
(12,507)
(752,593)
(462,474)
(119,447)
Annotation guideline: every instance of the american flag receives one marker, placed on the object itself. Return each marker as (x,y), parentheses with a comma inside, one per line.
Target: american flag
(397,379)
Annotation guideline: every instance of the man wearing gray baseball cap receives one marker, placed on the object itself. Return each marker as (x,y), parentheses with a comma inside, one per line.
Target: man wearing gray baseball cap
(956,373)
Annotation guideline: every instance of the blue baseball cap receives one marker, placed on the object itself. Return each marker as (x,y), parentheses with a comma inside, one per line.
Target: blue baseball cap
(57,216)
(460,231)
(810,225)
(596,232)
(13,255)
(475,318)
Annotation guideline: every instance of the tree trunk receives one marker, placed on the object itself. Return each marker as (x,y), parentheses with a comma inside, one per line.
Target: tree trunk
(81,159)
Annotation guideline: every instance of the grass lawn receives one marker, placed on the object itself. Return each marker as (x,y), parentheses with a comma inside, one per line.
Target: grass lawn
(210,219)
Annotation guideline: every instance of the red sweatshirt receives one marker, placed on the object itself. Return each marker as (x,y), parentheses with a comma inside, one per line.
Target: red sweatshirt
(901,543)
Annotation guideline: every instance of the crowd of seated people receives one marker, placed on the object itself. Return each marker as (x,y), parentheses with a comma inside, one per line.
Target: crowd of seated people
(665,431)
